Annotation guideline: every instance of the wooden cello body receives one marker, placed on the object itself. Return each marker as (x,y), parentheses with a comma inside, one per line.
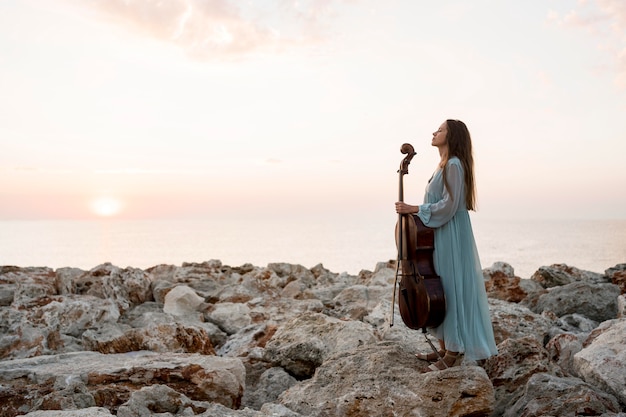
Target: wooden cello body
(421,299)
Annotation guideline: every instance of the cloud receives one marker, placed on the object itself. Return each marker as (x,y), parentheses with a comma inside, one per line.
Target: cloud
(140,171)
(605,19)
(222,29)
(35,170)
(616,9)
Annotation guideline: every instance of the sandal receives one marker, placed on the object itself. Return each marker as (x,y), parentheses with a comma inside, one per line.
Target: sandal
(448,361)
(430,357)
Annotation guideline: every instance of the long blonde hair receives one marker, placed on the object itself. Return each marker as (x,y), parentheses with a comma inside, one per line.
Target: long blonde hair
(460,145)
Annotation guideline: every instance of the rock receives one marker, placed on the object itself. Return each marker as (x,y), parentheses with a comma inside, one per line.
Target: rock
(277,410)
(561,274)
(248,287)
(412,341)
(32,286)
(199,275)
(160,288)
(514,321)
(501,283)
(126,287)
(84,412)
(182,301)
(111,379)
(517,361)
(52,327)
(621,306)
(160,399)
(20,339)
(595,301)
(165,337)
(229,317)
(549,395)
(65,278)
(602,361)
(271,384)
(284,273)
(357,301)
(207,339)
(303,343)
(617,275)
(245,341)
(73,314)
(383,380)
(7,293)
(384,275)
(562,349)
(575,323)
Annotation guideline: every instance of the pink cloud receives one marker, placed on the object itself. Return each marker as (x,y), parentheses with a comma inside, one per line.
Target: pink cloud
(605,19)
(220,29)
(616,10)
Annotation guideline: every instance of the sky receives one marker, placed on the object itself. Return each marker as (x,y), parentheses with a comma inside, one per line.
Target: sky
(138,109)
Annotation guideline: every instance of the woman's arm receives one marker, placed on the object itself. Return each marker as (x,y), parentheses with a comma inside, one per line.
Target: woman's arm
(439,213)
(403,208)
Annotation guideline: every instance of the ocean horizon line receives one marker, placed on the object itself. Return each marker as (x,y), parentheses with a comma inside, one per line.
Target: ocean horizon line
(340,246)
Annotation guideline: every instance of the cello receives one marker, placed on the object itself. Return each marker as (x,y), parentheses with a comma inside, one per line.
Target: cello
(421,299)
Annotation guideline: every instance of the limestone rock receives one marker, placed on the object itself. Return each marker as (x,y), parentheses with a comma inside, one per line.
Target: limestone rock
(501,283)
(30,286)
(126,287)
(7,293)
(182,301)
(111,379)
(384,275)
(230,317)
(562,349)
(158,400)
(65,278)
(357,301)
(617,275)
(287,341)
(383,380)
(51,327)
(245,341)
(165,337)
(549,395)
(621,306)
(561,274)
(575,323)
(271,384)
(594,301)
(602,361)
(84,412)
(284,273)
(303,343)
(514,321)
(517,361)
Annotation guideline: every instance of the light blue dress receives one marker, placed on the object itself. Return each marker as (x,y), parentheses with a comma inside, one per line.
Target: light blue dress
(467,325)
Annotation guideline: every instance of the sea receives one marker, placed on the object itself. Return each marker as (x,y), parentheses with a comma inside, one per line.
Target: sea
(347,244)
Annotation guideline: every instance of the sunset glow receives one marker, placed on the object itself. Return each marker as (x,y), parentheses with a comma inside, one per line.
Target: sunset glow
(106,206)
(194,108)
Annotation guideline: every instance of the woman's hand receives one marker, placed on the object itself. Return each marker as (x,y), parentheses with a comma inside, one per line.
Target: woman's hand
(403,208)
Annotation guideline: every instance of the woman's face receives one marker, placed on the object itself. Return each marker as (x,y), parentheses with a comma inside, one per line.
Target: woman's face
(439,136)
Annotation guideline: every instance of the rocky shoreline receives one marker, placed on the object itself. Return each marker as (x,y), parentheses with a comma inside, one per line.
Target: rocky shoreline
(207,339)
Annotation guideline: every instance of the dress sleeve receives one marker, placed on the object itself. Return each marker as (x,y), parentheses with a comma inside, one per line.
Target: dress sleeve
(440,212)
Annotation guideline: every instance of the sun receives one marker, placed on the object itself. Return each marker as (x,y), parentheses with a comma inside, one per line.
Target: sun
(106,206)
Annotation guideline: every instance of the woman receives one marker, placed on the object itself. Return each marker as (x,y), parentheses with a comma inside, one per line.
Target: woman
(450,193)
